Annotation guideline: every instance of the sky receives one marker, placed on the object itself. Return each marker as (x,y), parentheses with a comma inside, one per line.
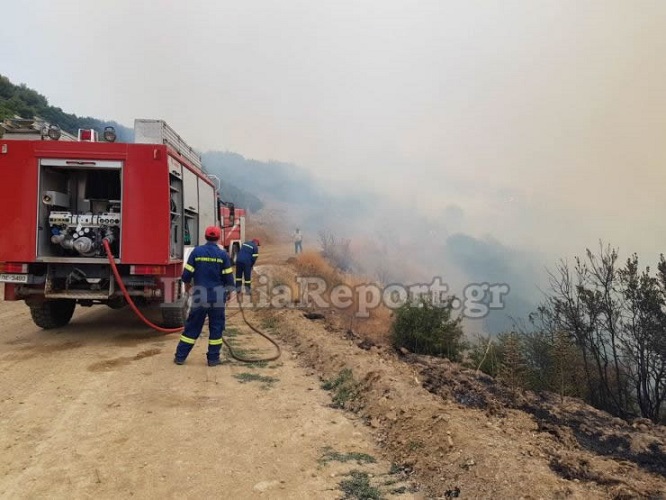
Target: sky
(538,124)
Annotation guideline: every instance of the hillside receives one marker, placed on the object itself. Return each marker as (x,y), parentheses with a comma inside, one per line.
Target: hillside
(19,100)
(308,202)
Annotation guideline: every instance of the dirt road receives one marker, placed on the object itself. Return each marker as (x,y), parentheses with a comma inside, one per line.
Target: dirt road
(98,410)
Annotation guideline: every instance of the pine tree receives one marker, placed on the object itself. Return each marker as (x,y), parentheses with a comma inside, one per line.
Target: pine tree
(513,366)
(561,362)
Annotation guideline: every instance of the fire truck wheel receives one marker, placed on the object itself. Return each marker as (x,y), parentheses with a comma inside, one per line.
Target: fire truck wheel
(174,315)
(52,313)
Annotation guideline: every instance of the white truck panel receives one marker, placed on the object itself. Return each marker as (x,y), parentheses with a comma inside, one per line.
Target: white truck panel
(190,191)
(158,132)
(207,207)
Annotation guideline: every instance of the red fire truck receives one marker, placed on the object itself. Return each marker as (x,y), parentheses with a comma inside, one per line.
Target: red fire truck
(232,220)
(63,202)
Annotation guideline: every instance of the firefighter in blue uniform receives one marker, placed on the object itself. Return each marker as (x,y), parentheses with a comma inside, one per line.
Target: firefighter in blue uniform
(210,267)
(247,256)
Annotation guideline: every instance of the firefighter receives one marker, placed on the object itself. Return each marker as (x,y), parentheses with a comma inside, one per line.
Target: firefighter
(210,267)
(245,260)
(298,241)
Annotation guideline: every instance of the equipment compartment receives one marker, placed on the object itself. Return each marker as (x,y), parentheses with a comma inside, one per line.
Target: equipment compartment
(79,206)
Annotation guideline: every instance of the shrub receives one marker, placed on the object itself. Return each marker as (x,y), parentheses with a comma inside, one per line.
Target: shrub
(336,250)
(426,328)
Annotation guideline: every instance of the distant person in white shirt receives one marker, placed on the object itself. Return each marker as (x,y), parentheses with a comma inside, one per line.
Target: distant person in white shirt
(298,241)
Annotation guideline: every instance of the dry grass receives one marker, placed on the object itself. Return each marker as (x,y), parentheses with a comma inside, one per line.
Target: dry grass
(376,327)
(313,264)
(283,276)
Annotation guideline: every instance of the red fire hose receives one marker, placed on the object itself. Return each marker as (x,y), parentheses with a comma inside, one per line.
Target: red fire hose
(128,298)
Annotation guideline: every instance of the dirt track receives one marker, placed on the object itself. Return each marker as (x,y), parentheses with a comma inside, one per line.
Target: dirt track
(98,410)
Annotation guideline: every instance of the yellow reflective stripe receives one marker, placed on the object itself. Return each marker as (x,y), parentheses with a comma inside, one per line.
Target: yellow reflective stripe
(249,246)
(228,270)
(187,340)
(255,255)
(189,268)
(215,342)
(238,279)
(248,281)
(208,259)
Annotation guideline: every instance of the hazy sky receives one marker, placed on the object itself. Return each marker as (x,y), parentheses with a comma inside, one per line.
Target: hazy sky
(543,121)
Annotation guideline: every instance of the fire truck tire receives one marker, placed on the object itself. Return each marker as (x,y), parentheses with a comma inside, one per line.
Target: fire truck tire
(52,313)
(174,316)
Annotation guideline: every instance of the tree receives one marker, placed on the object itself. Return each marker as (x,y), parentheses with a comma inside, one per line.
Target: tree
(513,368)
(584,302)
(336,250)
(614,318)
(564,357)
(644,323)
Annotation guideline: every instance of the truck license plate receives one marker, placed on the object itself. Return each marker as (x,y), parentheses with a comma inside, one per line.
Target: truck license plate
(13,278)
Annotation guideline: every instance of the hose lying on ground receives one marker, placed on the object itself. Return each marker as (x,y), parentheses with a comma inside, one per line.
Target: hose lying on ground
(256,330)
(128,298)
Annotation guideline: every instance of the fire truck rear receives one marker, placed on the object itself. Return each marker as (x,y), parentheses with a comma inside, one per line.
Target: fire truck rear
(232,220)
(60,200)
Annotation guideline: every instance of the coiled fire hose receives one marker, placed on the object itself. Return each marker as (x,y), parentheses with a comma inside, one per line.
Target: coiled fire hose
(128,298)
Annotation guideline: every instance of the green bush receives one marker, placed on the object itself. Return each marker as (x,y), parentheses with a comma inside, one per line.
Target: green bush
(426,328)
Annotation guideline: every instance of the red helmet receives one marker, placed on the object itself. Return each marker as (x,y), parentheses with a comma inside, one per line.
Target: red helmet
(212,233)
(256,242)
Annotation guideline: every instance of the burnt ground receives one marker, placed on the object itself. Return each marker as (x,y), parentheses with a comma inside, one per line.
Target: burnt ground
(570,425)
(459,433)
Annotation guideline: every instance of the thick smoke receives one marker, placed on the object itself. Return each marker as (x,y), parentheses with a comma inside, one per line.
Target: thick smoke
(391,240)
